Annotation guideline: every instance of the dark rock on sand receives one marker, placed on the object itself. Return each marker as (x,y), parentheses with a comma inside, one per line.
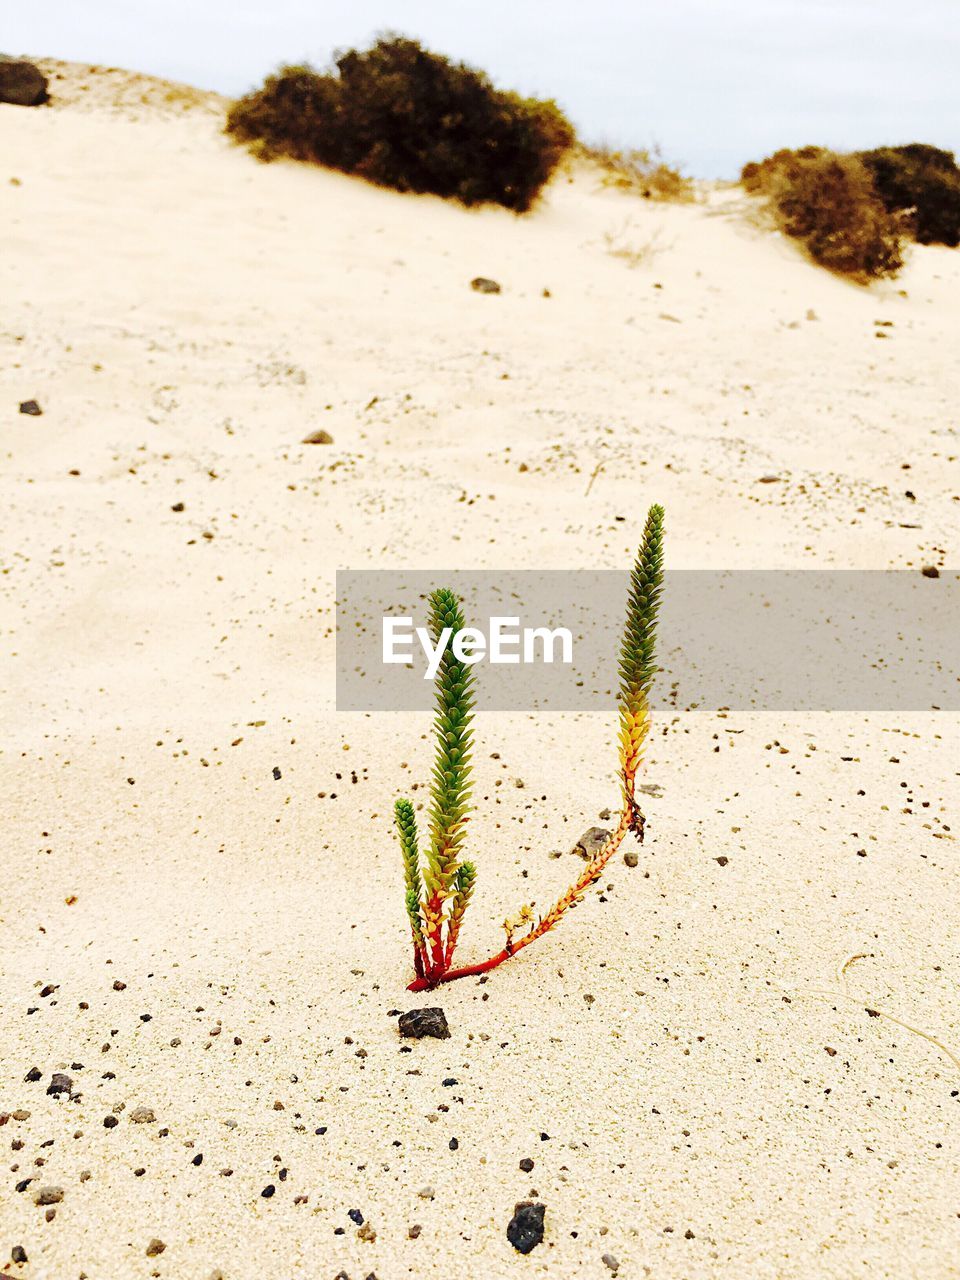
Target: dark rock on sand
(59,1084)
(48,1195)
(29,407)
(417,1023)
(482,285)
(525,1229)
(318,437)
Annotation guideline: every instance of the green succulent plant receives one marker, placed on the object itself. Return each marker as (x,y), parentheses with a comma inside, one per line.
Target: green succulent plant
(438,884)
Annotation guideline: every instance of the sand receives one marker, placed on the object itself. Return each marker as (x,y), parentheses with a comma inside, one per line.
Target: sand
(701,1089)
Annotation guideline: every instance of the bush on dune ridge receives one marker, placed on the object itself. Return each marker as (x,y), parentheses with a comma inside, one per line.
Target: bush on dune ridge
(923,183)
(403,117)
(852,212)
(643,171)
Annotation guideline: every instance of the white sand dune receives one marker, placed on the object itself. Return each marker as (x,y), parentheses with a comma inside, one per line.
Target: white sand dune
(694,1103)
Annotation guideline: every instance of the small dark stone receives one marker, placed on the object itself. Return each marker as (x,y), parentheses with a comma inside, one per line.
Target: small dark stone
(178,507)
(722,860)
(268,1191)
(118,985)
(526,1164)
(110,1122)
(417,1023)
(610,1261)
(48,1195)
(33,1075)
(59,1084)
(197,1160)
(930,571)
(481,284)
(277,774)
(318,437)
(525,1228)
(18,1253)
(450,1080)
(155,1248)
(31,408)
(454,1145)
(21,83)
(630,859)
(355,1216)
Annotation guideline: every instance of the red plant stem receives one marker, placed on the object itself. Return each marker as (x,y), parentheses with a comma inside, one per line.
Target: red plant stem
(590,872)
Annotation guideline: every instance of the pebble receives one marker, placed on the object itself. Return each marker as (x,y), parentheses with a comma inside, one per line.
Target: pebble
(482,284)
(526,1164)
(31,408)
(48,1195)
(142,1115)
(525,1228)
(631,859)
(610,1261)
(930,571)
(426,1193)
(592,840)
(33,1075)
(318,437)
(110,1122)
(417,1023)
(155,1248)
(18,1253)
(413,1232)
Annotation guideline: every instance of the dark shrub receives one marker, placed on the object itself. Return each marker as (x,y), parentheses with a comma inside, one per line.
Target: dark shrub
(829,203)
(406,118)
(923,180)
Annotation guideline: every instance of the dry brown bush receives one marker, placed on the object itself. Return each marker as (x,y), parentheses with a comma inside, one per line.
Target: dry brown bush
(829,203)
(642,170)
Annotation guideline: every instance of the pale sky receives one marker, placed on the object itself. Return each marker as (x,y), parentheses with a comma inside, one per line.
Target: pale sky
(714,83)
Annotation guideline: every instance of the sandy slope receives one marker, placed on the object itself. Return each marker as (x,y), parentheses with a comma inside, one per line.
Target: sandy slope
(693,1107)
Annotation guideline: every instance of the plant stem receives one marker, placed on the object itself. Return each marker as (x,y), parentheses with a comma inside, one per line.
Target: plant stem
(628,821)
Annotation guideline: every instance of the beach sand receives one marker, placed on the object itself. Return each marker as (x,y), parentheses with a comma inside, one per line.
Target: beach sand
(701,1089)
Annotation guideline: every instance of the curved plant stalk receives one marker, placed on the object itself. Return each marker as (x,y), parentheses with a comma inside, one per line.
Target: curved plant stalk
(445,876)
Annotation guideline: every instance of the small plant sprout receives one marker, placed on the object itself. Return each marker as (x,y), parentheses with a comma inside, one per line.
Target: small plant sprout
(438,885)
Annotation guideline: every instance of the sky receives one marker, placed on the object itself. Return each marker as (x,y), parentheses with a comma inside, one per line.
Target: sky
(714,82)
